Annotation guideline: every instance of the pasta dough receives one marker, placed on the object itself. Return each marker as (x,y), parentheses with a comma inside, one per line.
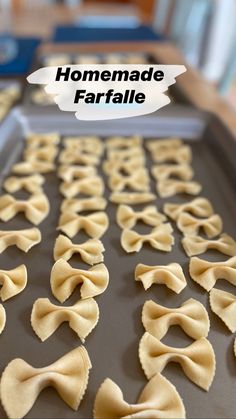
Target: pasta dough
(70,173)
(195,245)
(30,167)
(200,207)
(197,360)
(171,275)
(181,154)
(23,239)
(138,181)
(35,209)
(64,279)
(91,145)
(211,226)
(70,156)
(157,145)
(94,224)
(94,203)
(123,142)
(171,187)
(191,316)
(124,155)
(128,166)
(36,140)
(159,399)
(21,383)
(90,251)
(12,282)
(2,318)
(131,198)
(47,317)
(223,304)
(45,154)
(165,171)
(32,184)
(160,238)
(88,186)
(126,217)
(207,273)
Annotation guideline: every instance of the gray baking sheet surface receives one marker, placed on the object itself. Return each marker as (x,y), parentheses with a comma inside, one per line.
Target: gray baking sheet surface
(113,344)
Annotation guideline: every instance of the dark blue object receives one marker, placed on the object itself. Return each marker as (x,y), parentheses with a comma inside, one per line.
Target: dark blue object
(76,34)
(22,62)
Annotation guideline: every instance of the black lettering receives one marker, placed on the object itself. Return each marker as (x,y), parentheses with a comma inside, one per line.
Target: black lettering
(158,75)
(105,75)
(90,75)
(140,97)
(63,73)
(79,95)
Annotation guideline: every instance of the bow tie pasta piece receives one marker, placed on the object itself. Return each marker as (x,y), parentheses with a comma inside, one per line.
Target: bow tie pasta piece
(90,251)
(2,318)
(197,360)
(91,145)
(123,142)
(138,181)
(21,383)
(69,156)
(127,218)
(171,187)
(123,155)
(12,282)
(200,207)
(70,173)
(165,171)
(223,304)
(64,279)
(170,275)
(47,317)
(191,316)
(207,273)
(88,186)
(45,154)
(159,399)
(95,225)
(189,225)
(195,245)
(95,203)
(35,209)
(35,141)
(129,166)
(23,239)
(30,167)
(155,146)
(131,198)
(32,184)
(160,238)
(179,155)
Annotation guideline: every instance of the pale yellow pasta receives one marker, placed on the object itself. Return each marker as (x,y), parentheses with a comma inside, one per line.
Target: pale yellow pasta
(191,316)
(21,383)
(88,186)
(32,184)
(223,304)
(95,224)
(12,282)
(181,154)
(126,154)
(126,217)
(40,97)
(131,198)
(212,226)
(207,273)
(90,251)
(36,140)
(70,156)
(165,171)
(163,144)
(46,317)
(95,203)
(195,245)
(23,239)
(2,318)
(197,360)
(35,209)
(138,181)
(171,275)
(200,207)
(70,173)
(64,279)
(45,154)
(129,166)
(159,399)
(91,145)
(30,167)
(159,238)
(118,142)
(171,187)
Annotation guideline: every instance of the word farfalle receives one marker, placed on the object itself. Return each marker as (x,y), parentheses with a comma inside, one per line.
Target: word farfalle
(23,239)
(126,217)
(95,225)
(171,275)
(90,251)
(159,238)
(35,209)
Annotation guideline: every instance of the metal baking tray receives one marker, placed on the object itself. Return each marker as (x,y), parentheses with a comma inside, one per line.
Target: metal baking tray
(113,345)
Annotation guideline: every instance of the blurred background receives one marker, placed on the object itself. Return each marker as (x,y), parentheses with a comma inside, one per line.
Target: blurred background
(204,31)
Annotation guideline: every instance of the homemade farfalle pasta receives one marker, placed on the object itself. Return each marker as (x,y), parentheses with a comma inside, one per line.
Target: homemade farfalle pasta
(45,154)
(223,304)
(21,383)
(2,318)
(47,317)
(159,399)
(70,173)
(36,140)
(91,145)
(171,187)
(191,316)
(163,144)
(32,184)
(70,156)
(131,198)
(165,171)
(138,181)
(129,166)
(30,167)
(64,279)
(90,251)
(170,275)
(88,186)
(35,209)
(189,225)
(200,207)
(126,217)
(181,154)
(126,154)
(197,360)
(95,203)
(95,224)
(195,245)
(207,273)
(159,238)
(12,282)
(23,239)
(123,142)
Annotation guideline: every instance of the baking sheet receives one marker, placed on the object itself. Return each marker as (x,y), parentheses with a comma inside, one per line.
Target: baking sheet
(113,345)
